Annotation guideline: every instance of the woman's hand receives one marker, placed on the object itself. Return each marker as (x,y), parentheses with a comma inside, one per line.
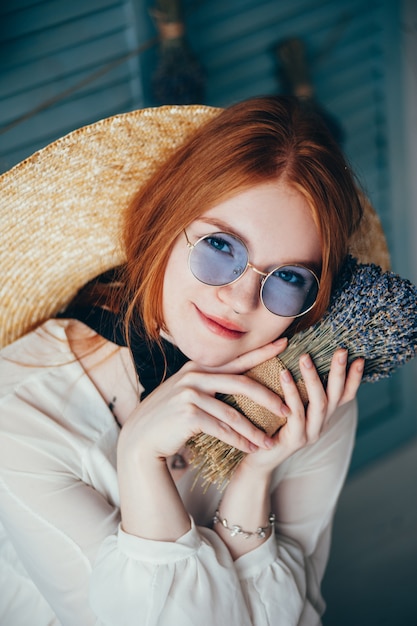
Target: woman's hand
(247,497)
(304,425)
(182,407)
(186,405)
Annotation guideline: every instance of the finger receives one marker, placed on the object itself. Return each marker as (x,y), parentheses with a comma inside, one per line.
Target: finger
(337,378)
(296,417)
(247,361)
(189,412)
(318,401)
(234,385)
(353,381)
(228,424)
(208,425)
(233,417)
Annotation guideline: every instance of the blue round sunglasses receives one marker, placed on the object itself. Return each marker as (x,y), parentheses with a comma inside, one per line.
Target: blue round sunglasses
(221,259)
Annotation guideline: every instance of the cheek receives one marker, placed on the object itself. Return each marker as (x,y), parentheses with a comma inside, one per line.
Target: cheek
(176,284)
(170,296)
(271,329)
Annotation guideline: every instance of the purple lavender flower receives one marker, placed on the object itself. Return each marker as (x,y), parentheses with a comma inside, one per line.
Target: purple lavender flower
(372,313)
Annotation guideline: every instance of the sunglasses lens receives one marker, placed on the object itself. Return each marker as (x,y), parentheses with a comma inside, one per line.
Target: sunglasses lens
(290,290)
(218,259)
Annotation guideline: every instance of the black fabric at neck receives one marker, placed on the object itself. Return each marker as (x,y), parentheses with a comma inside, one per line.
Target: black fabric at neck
(153,363)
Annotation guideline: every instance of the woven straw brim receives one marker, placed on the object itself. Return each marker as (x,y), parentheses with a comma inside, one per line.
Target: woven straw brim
(61,209)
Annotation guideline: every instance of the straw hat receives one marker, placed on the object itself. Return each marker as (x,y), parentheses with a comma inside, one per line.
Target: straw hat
(60,210)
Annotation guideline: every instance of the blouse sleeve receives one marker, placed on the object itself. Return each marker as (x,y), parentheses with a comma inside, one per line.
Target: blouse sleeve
(53,516)
(305,496)
(194,580)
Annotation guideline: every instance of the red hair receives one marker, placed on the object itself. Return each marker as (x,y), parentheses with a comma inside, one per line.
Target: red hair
(255,141)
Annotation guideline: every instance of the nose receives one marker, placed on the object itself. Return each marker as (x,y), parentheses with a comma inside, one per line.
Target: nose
(243,296)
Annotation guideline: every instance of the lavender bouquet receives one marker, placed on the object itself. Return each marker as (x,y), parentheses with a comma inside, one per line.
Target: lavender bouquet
(372,313)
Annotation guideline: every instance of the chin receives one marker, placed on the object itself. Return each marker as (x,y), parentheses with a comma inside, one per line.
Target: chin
(212,362)
(207,358)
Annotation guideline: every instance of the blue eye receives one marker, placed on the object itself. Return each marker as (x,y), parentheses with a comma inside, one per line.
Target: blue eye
(219,244)
(291,277)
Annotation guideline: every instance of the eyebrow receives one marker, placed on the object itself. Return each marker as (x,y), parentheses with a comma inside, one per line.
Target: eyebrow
(225,227)
(222,226)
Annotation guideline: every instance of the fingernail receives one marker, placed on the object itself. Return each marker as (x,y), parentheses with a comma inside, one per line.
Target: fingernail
(253,447)
(342,358)
(281,342)
(285,376)
(285,410)
(360,365)
(306,361)
(268,442)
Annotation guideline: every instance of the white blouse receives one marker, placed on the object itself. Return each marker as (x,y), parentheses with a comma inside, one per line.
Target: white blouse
(63,556)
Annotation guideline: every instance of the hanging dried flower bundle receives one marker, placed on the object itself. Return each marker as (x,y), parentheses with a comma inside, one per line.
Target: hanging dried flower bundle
(178,77)
(372,313)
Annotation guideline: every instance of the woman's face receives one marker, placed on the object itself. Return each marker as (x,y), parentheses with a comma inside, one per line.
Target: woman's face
(213,325)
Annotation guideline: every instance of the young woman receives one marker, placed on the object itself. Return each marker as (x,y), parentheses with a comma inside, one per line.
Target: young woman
(231,246)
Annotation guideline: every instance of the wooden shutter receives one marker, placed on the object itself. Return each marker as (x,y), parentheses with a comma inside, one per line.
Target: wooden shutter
(54,52)
(51,46)
(355,60)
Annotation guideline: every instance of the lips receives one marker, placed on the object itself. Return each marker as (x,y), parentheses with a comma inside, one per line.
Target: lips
(220,326)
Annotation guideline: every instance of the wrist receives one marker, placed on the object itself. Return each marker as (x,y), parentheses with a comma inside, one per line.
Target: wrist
(253,475)
(137,462)
(134,452)
(150,505)
(235,530)
(242,517)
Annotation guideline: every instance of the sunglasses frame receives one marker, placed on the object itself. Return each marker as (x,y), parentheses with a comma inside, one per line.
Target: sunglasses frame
(264,275)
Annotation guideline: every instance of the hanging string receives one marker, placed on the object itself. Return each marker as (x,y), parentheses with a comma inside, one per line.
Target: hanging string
(82,83)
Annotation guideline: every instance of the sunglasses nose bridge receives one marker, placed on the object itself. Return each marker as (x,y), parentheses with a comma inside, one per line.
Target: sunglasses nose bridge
(262,277)
(243,293)
(259,272)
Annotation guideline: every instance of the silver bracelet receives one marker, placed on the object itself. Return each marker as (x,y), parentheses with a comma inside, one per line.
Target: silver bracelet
(236,531)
